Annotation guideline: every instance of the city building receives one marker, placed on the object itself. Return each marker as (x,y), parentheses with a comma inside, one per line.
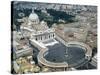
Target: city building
(37,30)
(62,46)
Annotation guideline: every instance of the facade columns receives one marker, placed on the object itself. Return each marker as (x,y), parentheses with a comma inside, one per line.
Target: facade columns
(45,37)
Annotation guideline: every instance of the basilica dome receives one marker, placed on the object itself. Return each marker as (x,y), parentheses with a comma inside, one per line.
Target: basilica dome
(33,17)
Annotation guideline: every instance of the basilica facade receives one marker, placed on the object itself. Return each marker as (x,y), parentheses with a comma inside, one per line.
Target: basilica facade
(39,31)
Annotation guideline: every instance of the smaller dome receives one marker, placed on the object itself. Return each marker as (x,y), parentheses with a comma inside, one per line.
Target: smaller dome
(42,22)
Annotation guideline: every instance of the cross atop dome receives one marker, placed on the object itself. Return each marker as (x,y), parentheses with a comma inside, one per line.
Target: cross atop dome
(32,10)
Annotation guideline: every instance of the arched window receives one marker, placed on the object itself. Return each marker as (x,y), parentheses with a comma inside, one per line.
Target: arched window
(53,35)
(45,37)
(36,38)
(41,37)
(49,36)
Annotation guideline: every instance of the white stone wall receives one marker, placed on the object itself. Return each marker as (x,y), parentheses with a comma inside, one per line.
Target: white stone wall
(40,46)
(61,40)
(41,38)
